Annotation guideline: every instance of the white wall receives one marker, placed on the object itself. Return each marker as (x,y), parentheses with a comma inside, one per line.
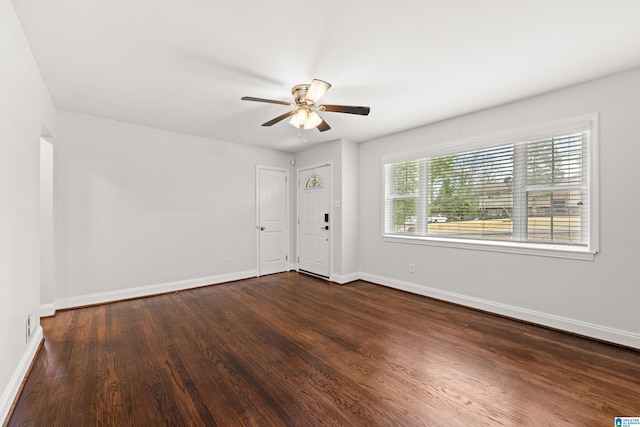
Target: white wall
(25,109)
(596,298)
(140,210)
(349,226)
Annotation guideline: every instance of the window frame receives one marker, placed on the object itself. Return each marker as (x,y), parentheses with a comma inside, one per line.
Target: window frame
(546,130)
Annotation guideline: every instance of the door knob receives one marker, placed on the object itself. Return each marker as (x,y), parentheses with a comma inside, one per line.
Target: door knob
(261,228)
(326,227)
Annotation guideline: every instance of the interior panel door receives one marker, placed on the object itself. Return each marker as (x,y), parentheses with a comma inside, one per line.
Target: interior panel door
(272,228)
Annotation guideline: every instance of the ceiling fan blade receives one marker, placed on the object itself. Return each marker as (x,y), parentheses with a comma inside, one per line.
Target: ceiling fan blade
(279,118)
(316,90)
(270,101)
(363,111)
(323,126)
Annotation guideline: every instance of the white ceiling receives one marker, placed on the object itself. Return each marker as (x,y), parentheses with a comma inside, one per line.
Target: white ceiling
(183,65)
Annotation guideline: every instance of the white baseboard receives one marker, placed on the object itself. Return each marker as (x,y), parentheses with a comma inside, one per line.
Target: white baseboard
(47,310)
(142,291)
(600,332)
(345,278)
(587,329)
(11,390)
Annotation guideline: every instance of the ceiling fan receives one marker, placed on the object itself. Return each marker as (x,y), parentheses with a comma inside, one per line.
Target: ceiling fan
(305,111)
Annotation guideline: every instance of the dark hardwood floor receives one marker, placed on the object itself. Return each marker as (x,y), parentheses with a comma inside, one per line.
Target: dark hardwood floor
(289,349)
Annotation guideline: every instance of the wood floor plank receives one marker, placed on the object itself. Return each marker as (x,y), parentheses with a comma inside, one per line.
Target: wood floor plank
(293,350)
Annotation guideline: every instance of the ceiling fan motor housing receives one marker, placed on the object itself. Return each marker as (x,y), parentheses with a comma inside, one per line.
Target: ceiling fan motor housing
(299,92)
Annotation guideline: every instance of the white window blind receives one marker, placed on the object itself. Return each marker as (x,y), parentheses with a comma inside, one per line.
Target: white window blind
(528,187)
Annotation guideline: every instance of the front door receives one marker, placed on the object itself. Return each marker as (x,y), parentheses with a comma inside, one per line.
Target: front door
(273,240)
(314,218)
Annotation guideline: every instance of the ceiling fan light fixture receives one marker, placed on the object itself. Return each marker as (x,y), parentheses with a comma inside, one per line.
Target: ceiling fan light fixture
(313,121)
(299,118)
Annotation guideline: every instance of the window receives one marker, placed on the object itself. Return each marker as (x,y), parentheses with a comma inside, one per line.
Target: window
(529,189)
(314,181)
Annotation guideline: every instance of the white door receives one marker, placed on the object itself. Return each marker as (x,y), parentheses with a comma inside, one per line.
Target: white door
(273,236)
(314,216)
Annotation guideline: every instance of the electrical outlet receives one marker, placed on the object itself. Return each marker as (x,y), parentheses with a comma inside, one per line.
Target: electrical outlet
(412,267)
(28,328)
(227,261)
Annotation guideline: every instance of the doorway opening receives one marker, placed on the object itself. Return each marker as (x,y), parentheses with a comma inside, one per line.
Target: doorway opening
(47,288)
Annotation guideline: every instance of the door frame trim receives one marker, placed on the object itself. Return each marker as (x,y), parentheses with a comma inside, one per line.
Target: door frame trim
(331,210)
(287,225)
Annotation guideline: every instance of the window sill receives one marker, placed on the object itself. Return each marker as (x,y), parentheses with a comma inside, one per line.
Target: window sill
(555,251)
